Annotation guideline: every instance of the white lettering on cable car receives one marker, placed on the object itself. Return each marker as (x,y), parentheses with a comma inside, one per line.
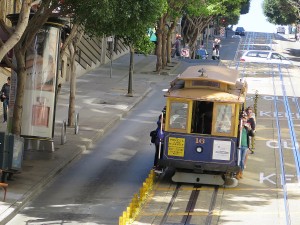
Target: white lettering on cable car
(269,178)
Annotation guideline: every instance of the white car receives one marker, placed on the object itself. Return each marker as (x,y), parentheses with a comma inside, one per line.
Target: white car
(261,56)
(280,30)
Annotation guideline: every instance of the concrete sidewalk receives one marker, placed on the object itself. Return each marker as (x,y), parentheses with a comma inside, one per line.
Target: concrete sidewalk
(101,101)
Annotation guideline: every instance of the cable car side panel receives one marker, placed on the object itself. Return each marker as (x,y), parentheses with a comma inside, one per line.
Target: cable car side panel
(200,153)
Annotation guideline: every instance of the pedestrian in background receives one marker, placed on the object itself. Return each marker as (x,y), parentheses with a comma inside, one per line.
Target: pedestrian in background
(177,46)
(214,55)
(5,98)
(216,45)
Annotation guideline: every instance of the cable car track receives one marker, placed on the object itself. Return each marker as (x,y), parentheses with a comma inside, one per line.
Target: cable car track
(190,206)
(212,206)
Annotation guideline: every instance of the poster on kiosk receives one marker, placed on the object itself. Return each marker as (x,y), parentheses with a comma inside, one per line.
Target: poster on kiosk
(40,86)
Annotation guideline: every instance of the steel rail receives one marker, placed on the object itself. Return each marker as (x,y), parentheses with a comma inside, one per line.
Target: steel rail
(291,126)
(186,219)
(295,142)
(212,206)
(171,203)
(280,151)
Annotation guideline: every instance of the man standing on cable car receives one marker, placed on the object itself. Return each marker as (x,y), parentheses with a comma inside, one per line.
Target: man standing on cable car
(244,145)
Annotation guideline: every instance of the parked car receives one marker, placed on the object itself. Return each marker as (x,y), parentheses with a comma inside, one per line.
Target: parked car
(280,30)
(256,47)
(201,54)
(261,56)
(240,31)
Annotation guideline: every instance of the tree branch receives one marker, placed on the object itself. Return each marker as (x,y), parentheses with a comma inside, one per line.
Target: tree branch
(72,34)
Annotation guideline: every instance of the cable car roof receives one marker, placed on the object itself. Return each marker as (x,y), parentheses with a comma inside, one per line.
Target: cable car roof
(208,95)
(235,92)
(210,72)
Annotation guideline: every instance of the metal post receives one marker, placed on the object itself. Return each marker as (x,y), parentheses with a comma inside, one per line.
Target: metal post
(63,133)
(77,123)
(111,58)
(110,41)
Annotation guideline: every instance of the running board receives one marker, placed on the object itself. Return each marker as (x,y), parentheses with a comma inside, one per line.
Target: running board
(195,178)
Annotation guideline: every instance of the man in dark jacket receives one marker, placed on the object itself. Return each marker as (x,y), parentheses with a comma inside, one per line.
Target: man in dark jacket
(251,120)
(5,97)
(159,138)
(244,145)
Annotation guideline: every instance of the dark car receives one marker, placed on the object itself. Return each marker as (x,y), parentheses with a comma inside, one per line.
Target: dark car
(240,31)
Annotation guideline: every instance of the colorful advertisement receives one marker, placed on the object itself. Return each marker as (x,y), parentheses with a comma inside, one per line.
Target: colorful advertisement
(39,93)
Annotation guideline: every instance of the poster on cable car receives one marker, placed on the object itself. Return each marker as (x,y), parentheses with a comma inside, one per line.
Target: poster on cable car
(39,93)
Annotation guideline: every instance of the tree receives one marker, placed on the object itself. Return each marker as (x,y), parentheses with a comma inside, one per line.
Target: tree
(296,5)
(71,43)
(166,25)
(198,16)
(15,36)
(280,12)
(36,21)
(128,20)
(245,7)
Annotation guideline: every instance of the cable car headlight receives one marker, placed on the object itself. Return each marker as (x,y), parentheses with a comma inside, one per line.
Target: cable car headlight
(199,149)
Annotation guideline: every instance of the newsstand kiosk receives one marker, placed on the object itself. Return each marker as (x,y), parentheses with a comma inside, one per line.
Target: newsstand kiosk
(38,117)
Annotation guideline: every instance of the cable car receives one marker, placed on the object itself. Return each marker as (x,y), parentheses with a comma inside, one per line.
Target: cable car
(201,130)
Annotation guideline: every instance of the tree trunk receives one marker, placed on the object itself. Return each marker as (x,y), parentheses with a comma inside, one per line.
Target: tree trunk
(71,113)
(130,93)
(169,41)
(21,79)
(193,43)
(72,42)
(164,49)
(160,27)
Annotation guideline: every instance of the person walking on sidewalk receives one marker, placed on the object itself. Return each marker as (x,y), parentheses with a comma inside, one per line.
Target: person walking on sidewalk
(177,47)
(5,98)
(216,45)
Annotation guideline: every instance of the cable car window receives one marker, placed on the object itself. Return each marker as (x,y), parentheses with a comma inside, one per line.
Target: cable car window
(206,83)
(223,120)
(202,117)
(178,115)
